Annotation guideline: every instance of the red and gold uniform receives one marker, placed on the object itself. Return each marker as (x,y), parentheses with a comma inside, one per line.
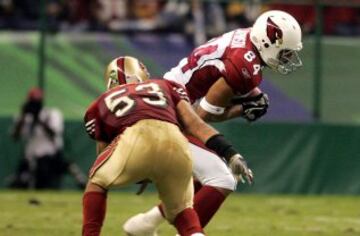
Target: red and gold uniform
(124,105)
(146,142)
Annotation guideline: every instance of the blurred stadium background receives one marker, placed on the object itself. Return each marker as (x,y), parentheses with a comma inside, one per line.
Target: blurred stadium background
(308,143)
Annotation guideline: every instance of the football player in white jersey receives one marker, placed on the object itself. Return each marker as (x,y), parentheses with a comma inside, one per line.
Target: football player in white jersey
(224,75)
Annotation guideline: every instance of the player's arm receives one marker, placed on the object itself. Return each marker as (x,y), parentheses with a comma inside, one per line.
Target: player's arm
(216,105)
(92,127)
(195,126)
(220,103)
(254,104)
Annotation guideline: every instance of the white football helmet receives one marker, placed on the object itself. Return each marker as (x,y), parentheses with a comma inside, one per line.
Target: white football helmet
(277,37)
(124,70)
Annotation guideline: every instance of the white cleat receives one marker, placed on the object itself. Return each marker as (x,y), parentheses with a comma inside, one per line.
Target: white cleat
(138,225)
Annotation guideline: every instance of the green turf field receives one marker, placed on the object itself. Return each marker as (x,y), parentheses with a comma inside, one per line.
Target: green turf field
(59,213)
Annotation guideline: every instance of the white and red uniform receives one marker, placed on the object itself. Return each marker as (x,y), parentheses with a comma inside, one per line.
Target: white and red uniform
(233,57)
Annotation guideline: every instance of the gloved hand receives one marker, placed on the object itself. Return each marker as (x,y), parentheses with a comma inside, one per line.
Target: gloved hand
(253,107)
(240,169)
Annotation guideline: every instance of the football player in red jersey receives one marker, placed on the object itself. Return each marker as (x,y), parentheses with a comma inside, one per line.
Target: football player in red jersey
(223,75)
(139,137)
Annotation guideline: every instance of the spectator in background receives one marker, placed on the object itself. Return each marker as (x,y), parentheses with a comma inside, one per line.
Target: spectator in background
(159,15)
(305,14)
(213,17)
(41,128)
(108,14)
(75,15)
(175,15)
(25,14)
(142,15)
(342,21)
(139,15)
(145,9)
(6,14)
(242,14)
(337,20)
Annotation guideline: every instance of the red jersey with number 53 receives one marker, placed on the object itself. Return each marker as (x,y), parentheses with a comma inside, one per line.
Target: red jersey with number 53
(231,56)
(121,107)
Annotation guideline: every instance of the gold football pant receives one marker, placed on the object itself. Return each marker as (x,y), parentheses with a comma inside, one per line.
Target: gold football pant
(150,149)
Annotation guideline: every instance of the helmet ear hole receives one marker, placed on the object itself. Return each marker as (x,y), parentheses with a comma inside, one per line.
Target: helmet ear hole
(266,45)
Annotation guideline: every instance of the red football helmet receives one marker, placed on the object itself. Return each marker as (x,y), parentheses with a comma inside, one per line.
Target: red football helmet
(124,70)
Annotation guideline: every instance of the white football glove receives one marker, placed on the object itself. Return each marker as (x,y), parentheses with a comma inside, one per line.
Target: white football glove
(240,170)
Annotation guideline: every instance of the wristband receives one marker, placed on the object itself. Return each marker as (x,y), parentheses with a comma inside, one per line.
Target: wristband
(215,110)
(221,146)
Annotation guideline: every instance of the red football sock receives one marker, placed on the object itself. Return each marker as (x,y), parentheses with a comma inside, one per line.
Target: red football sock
(207,201)
(187,222)
(94,209)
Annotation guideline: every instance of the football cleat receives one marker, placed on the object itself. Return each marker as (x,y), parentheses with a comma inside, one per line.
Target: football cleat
(139,225)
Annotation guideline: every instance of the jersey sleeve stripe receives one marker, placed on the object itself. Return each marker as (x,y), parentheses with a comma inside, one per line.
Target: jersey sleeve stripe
(90,127)
(89,123)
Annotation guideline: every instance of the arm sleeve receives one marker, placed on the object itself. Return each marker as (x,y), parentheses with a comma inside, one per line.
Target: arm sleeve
(92,122)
